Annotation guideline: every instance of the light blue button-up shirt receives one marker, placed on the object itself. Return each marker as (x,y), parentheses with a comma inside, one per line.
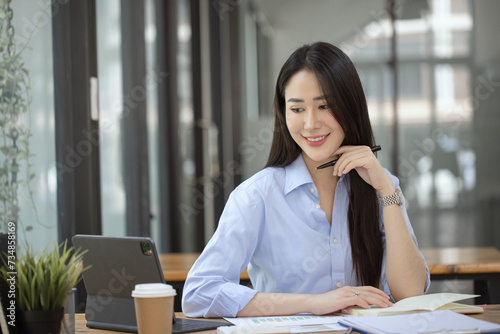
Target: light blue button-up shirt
(273,224)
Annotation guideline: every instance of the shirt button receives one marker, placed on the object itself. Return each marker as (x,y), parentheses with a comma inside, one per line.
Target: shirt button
(317,206)
(339,284)
(312,190)
(334,240)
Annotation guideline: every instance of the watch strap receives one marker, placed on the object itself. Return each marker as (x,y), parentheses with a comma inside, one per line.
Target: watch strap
(396,198)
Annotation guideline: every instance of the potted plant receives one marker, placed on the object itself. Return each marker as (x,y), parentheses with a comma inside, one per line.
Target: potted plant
(41,284)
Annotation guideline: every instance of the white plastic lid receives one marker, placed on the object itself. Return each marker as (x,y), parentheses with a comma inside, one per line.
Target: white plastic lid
(153,290)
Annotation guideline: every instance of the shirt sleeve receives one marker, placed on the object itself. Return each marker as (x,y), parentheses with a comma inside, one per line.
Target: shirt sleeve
(383,280)
(212,287)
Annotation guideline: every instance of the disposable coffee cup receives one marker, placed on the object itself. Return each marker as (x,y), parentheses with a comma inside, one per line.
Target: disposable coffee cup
(154,303)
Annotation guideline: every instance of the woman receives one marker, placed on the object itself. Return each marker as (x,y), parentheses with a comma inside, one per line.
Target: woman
(314,241)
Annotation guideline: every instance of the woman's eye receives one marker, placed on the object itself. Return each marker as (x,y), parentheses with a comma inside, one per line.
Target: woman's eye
(296,110)
(324,106)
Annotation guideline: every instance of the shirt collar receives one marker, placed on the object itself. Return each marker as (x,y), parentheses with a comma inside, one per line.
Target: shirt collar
(296,174)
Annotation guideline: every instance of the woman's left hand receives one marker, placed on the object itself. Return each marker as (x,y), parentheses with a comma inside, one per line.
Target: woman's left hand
(362,159)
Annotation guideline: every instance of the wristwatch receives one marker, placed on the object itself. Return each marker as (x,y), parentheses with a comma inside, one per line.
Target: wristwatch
(396,198)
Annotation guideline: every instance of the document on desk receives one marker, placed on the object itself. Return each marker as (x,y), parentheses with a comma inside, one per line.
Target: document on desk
(300,323)
(420,323)
(423,303)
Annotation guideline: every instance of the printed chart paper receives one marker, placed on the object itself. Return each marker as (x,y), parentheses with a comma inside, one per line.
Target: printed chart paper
(299,323)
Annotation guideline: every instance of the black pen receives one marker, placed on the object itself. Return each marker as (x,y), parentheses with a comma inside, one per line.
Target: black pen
(331,163)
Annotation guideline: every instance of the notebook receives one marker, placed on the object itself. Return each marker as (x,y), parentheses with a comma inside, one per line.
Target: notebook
(424,303)
(437,322)
(117,265)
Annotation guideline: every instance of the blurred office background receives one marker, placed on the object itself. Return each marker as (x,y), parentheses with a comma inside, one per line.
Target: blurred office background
(146,114)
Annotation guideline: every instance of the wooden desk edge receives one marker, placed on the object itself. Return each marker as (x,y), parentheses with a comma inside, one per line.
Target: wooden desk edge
(462,260)
(181,275)
(464,268)
(175,266)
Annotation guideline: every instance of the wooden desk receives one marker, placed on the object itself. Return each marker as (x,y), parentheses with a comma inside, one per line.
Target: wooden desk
(177,265)
(175,268)
(492,314)
(482,265)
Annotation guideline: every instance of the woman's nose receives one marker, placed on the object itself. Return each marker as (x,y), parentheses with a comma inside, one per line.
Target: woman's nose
(311,120)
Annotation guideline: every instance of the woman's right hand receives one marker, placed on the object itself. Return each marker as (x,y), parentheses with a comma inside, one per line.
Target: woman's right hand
(335,300)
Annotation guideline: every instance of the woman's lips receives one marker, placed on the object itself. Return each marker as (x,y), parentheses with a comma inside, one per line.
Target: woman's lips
(316,140)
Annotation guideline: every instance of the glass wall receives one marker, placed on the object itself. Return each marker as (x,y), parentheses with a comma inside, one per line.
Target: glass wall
(111,104)
(436,160)
(37,223)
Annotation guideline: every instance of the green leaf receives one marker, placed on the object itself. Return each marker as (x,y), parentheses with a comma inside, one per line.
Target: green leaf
(44,282)
(6,150)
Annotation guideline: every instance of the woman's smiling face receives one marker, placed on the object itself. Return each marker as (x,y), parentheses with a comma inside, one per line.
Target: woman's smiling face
(310,120)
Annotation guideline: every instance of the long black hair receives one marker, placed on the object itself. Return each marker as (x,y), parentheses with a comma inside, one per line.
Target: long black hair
(344,94)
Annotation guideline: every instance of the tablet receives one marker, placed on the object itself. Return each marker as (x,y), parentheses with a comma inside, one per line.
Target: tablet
(116,265)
